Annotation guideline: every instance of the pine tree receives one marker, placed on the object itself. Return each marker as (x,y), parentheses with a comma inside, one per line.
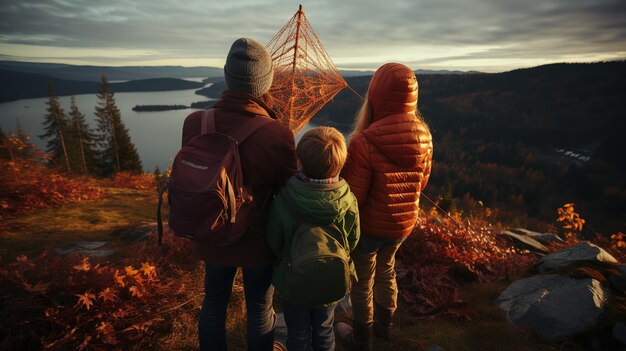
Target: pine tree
(118,153)
(83,140)
(56,127)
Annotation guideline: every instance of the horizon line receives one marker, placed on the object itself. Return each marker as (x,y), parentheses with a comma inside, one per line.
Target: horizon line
(338,68)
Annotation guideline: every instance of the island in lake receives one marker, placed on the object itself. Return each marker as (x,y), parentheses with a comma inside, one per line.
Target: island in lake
(151,108)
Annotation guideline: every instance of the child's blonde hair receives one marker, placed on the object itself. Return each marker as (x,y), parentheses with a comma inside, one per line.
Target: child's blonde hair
(322,152)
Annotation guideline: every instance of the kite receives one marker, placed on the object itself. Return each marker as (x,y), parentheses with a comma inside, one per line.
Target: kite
(305,78)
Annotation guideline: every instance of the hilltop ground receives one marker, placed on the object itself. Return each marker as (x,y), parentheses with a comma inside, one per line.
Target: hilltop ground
(116,218)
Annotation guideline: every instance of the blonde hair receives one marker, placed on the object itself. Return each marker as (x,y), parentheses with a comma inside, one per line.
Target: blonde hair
(363,117)
(322,152)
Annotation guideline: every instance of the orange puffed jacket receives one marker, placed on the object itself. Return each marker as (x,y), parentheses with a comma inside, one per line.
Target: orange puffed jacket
(389,162)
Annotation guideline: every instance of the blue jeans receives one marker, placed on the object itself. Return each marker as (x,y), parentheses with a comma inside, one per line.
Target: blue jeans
(308,327)
(218,284)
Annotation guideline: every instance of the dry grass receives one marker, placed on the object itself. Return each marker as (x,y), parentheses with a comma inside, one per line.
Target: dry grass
(487,331)
(80,221)
(183,334)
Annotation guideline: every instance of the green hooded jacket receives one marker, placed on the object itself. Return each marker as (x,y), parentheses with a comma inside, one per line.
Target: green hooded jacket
(315,203)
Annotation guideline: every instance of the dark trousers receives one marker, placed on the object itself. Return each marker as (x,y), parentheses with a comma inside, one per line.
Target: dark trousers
(308,327)
(258,291)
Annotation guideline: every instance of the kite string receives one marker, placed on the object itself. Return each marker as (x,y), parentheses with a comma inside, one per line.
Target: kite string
(354,91)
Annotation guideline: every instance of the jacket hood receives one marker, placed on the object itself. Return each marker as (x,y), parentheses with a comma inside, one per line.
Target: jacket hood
(318,203)
(393,89)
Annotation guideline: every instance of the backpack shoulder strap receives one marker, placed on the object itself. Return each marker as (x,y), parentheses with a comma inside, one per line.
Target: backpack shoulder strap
(207,121)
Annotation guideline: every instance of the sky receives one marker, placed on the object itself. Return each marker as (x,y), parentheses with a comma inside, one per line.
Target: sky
(483,35)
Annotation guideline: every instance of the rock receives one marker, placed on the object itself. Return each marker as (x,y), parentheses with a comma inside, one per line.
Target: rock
(86,248)
(553,306)
(142,232)
(544,238)
(526,241)
(619,332)
(582,252)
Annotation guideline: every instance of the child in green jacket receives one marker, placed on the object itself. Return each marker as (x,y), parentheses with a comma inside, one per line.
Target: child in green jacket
(315,195)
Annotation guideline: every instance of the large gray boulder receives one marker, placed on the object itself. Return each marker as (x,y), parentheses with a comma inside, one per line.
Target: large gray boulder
(85,248)
(545,238)
(583,252)
(524,241)
(553,306)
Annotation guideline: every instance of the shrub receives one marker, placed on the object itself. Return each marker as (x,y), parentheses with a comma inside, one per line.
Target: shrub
(28,184)
(441,252)
(129,180)
(69,302)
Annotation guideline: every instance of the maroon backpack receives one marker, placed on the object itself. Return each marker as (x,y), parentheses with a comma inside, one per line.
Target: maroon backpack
(208,200)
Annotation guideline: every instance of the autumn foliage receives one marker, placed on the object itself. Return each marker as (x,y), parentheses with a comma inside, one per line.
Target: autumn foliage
(441,253)
(28,184)
(69,302)
(128,180)
(571,222)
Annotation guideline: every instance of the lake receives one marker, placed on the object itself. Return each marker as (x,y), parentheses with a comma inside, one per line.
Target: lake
(155,134)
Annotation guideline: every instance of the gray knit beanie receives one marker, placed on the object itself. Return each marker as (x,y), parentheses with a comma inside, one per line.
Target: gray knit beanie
(248,67)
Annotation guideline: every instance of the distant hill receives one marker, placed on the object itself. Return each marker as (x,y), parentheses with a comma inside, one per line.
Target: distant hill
(361,73)
(93,73)
(557,104)
(213,91)
(18,85)
(351,73)
(443,71)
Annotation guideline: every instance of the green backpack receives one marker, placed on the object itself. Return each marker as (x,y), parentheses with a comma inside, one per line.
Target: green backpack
(318,268)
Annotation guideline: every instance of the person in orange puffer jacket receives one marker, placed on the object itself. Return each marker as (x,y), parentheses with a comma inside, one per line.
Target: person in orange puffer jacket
(388,165)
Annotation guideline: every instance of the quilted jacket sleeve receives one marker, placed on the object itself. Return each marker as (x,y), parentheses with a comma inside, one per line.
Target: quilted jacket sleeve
(358,171)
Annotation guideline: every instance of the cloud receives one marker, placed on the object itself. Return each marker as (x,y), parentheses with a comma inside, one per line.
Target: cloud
(355,33)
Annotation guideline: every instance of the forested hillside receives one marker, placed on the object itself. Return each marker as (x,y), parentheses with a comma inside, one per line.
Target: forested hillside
(93,73)
(19,85)
(521,142)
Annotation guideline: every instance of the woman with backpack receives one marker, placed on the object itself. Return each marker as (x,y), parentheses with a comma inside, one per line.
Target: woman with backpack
(267,159)
(388,165)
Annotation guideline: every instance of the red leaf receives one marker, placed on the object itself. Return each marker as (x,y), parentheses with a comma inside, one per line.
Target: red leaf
(37,288)
(84,265)
(85,300)
(107,295)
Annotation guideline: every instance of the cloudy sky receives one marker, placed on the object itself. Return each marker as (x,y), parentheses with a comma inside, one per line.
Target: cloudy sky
(487,35)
